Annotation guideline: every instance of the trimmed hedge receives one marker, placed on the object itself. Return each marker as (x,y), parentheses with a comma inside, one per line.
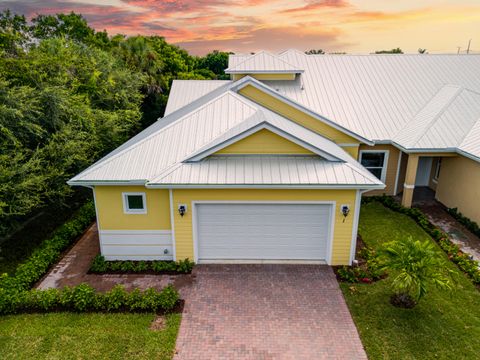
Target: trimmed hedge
(16,296)
(102,266)
(463,260)
(37,265)
(469,224)
(84,298)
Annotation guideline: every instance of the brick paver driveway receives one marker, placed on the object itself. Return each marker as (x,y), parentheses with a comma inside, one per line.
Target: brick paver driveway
(266,312)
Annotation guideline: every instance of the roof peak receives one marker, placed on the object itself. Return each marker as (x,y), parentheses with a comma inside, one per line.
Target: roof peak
(263,62)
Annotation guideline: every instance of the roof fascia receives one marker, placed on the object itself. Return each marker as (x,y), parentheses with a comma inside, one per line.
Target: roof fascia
(89,183)
(260,186)
(248,80)
(297,71)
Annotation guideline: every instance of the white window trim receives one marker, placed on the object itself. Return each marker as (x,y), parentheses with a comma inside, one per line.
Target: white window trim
(385,161)
(128,211)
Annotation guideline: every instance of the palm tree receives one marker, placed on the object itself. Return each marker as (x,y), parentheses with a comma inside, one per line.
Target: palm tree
(415,265)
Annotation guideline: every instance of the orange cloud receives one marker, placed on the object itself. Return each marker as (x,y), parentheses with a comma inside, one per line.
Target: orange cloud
(315,5)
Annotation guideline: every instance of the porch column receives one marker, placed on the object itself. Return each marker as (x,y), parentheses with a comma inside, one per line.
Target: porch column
(410,176)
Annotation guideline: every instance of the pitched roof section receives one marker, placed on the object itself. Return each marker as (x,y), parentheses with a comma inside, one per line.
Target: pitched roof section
(444,122)
(151,155)
(266,119)
(183,92)
(267,170)
(263,62)
(157,154)
(374,95)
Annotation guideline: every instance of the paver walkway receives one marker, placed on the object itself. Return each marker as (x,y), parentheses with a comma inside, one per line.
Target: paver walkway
(73,267)
(266,312)
(438,215)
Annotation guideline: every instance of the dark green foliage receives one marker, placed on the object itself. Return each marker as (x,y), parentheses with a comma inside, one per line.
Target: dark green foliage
(469,224)
(101,266)
(416,266)
(16,296)
(463,261)
(84,298)
(49,252)
(393,51)
(69,95)
(216,62)
(368,270)
(315,52)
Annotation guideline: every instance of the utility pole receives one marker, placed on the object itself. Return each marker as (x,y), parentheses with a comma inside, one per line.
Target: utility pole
(468,47)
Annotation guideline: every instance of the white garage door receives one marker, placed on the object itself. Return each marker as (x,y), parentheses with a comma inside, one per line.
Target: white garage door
(262,231)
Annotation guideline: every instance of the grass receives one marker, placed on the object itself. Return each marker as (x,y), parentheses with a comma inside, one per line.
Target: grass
(444,325)
(86,336)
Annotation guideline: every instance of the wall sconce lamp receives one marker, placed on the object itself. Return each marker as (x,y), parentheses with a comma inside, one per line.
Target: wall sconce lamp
(182,209)
(345,209)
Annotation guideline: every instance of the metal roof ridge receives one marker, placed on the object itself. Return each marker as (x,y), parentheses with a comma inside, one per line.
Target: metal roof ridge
(263,52)
(442,110)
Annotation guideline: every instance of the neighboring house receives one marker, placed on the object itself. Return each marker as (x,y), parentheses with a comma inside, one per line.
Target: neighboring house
(271,165)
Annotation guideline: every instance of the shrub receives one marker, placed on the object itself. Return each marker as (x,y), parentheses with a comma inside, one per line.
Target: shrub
(461,259)
(469,224)
(101,266)
(416,265)
(84,298)
(48,253)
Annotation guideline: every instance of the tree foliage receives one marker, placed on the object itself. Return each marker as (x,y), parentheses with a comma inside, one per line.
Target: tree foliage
(315,52)
(415,266)
(393,51)
(69,95)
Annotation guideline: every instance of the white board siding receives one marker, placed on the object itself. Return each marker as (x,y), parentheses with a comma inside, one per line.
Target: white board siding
(259,232)
(136,244)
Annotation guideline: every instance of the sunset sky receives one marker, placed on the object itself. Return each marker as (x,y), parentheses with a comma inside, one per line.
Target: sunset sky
(353,26)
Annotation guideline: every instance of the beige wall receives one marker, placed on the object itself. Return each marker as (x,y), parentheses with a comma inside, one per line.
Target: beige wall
(392,165)
(432,184)
(459,186)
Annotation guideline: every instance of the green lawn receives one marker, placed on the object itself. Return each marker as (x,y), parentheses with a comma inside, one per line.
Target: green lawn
(444,325)
(86,336)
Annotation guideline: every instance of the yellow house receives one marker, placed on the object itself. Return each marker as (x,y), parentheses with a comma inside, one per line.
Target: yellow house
(270,166)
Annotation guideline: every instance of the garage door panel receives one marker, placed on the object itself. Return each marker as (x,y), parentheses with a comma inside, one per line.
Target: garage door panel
(263,231)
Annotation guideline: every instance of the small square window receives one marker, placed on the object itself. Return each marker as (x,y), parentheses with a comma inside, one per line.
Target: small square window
(134,203)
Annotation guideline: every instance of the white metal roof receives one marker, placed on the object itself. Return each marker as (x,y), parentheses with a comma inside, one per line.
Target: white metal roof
(156,153)
(374,95)
(183,92)
(266,170)
(444,122)
(262,62)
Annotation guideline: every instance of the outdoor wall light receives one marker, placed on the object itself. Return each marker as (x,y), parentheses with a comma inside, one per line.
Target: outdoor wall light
(182,209)
(345,209)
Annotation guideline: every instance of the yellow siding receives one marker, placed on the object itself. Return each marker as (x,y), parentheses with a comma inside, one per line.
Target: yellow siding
(459,186)
(236,77)
(352,151)
(392,166)
(296,115)
(264,142)
(111,216)
(342,232)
